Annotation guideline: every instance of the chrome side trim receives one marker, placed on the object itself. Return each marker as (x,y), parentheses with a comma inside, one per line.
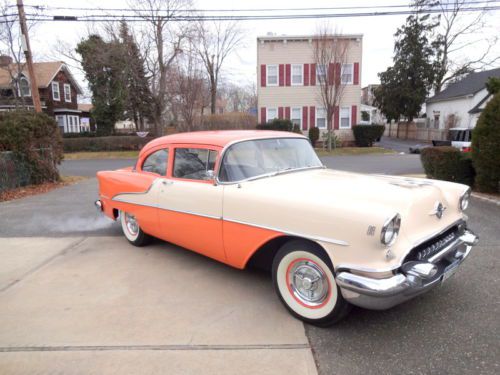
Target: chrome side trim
(169,209)
(314,238)
(139,192)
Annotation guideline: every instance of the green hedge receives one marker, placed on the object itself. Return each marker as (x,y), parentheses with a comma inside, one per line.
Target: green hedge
(313,135)
(448,163)
(111,143)
(486,147)
(280,125)
(365,135)
(32,142)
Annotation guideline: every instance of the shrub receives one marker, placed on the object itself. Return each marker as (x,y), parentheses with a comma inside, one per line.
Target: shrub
(365,135)
(448,163)
(486,147)
(313,135)
(111,143)
(35,142)
(277,124)
(227,121)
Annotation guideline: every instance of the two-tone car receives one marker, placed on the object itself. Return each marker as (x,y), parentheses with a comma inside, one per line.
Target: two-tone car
(331,239)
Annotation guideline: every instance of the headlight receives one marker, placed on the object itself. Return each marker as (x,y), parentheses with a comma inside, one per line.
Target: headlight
(390,230)
(464,200)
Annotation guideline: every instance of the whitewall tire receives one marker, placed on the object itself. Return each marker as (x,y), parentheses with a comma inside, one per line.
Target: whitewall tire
(305,282)
(132,231)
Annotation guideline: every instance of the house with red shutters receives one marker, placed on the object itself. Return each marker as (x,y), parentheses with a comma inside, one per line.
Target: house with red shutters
(287,84)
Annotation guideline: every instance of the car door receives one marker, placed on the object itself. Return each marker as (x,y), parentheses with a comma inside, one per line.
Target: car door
(190,203)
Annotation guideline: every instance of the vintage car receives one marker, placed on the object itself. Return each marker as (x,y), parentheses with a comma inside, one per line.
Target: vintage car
(330,238)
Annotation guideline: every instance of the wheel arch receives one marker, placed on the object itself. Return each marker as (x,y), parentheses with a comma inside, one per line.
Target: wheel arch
(262,257)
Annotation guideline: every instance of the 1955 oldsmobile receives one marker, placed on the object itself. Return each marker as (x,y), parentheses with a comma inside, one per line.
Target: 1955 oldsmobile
(330,238)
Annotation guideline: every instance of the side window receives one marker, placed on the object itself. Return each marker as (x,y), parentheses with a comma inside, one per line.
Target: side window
(194,163)
(156,162)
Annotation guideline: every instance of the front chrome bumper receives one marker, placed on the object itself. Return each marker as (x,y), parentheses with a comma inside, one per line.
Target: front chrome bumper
(413,278)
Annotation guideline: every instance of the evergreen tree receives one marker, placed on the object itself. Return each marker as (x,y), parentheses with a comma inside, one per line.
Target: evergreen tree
(405,85)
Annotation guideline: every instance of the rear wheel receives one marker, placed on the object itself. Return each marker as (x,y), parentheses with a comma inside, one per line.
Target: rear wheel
(304,280)
(132,231)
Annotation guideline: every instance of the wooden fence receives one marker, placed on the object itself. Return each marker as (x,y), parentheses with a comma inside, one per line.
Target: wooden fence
(417,130)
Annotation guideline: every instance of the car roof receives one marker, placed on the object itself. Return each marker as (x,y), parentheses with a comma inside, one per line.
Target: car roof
(219,138)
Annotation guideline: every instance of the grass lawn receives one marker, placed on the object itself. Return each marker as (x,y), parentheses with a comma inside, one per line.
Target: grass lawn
(342,151)
(101,155)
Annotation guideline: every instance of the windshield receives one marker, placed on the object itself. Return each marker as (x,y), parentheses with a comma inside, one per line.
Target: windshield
(260,157)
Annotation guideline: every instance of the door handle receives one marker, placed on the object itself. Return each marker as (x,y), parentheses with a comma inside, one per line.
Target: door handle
(167,183)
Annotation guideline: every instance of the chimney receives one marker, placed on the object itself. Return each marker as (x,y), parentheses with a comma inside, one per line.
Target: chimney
(5,60)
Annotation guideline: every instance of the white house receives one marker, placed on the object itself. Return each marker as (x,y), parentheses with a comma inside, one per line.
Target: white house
(461,103)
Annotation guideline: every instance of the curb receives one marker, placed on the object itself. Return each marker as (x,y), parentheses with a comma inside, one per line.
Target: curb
(486,198)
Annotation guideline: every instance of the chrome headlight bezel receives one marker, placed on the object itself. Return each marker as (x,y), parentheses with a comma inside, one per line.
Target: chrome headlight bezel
(463,202)
(391,225)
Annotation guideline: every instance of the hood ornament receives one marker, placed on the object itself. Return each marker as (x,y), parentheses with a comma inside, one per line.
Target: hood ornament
(438,210)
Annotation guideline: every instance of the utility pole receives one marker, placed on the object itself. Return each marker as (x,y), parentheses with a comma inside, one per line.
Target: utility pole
(25,42)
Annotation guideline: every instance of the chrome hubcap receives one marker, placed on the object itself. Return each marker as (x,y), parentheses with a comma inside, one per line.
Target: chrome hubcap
(131,223)
(308,282)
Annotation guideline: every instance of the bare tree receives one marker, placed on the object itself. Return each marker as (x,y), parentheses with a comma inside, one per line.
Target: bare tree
(216,41)
(161,40)
(330,55)
(241,98)
(460,30)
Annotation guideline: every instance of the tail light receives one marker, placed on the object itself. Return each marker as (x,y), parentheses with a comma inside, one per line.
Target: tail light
(466,149)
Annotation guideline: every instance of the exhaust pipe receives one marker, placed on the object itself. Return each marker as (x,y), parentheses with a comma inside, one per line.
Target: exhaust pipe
(98,205)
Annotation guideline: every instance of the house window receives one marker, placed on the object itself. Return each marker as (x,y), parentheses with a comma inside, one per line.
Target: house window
(67,93)
(321,73)
(296,117)
(272,75)
(320,118)
(345,117)
(61,122)
(24,87)
(56,95)
(297,74)
(272,113)
(347,74)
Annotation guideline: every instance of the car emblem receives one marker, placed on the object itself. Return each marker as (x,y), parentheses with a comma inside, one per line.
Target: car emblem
(439,210)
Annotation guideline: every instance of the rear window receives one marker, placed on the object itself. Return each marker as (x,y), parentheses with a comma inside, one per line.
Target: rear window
(460,135)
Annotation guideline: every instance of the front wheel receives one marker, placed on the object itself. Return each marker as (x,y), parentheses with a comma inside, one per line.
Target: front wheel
(304,280)
(132,231)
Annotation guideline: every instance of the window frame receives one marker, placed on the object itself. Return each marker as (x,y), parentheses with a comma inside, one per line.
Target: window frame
(268,118)
(300,115)
(301,66)
(349,117)
(68,86)
(267,75)
(316,117)
(171,163)
(342,74)
(318,76)
(55,84)
(19,89)
(163,148)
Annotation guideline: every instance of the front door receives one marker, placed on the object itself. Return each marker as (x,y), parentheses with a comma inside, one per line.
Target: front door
(190,204)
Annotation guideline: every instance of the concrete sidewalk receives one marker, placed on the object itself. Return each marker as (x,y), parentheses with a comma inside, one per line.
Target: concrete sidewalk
(99,305)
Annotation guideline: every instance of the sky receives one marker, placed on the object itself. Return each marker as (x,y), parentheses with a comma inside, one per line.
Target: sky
(378,32)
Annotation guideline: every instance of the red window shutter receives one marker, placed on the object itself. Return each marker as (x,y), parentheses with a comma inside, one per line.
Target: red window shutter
(313,74)
(262,75)
(280,112)
(338,74)
(355,79)
(287,113)
(354,115)
(331,73)
(288,74)
(312,116)
(282,74)
(336,117)
(262,115)
(306,75)
(304,118)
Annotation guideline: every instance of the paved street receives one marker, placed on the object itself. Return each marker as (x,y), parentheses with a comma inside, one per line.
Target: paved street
(399,145)
(74,293)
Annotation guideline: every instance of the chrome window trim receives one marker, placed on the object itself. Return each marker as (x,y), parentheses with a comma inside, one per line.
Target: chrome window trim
(230,144)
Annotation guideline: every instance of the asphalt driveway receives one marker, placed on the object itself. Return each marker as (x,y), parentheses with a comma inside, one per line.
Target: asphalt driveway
(76,298)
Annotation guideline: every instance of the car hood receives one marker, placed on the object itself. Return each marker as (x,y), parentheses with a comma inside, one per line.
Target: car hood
(352,202)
